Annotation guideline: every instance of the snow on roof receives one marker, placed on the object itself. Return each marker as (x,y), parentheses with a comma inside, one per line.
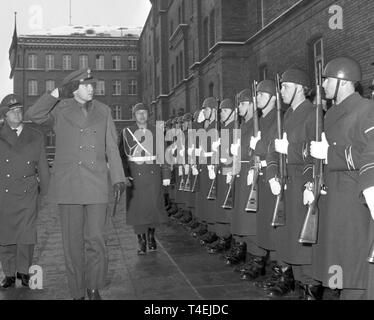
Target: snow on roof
(91,31)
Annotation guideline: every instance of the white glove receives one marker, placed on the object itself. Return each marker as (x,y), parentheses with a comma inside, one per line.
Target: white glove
(180,171)
(250,177)
(186,168)
(228,178)
(308,196)
(281,146)
(201,117)
(275,187)
(211,172)
(198,152)
(216,144)
(182,151)
(55,93)
(319,150)
(254,141)
(369,197)
(166,182)
(190,150)
(195,172)
(234,148)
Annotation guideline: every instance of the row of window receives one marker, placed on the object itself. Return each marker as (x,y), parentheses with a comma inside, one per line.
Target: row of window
(116,85)
(82,62)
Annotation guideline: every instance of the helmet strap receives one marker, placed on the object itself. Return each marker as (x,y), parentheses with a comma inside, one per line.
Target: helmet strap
(336,90)
(293,96)
(228,118)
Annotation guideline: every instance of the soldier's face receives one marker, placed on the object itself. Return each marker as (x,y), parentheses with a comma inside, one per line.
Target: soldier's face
(288,91)
(263,99)
(141,116)
(245,107)
(207,113)
(329,84)
(225,114)
(14,117)
(85,92)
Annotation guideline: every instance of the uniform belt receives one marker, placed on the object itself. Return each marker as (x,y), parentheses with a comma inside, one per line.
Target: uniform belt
(142,159)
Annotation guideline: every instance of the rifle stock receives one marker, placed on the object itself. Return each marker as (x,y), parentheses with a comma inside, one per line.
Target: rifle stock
(309,230)
(187,185)
(181,183)
(279,213)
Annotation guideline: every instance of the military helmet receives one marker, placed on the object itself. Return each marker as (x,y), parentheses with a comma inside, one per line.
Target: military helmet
(174,121)
(180,119)
(227,104)
(267,86)
(168,123)
(210,102)
(343,68)
(245,95)
(297,76)
(187,117)
(138,107)
(10,102)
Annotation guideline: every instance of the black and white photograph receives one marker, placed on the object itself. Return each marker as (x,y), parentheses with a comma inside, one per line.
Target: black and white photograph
(187,154)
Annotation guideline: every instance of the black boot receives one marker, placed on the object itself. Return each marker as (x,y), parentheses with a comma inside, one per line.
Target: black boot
(238,255)
(222,244)
(93,294)
(208,238)
(256,269)
(25,278)
(284,285)
(8,282)
(313,292)
(152,245)
(272,280)
(142,241)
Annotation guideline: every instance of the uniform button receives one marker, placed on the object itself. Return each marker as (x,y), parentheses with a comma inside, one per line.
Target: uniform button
(7,160)
(93,147)
(25,177)
(25,191)
(6,190)
(334,143)
(79,163)
(28,162)
(81,147)
(139,174)
(8,175)
(82,130)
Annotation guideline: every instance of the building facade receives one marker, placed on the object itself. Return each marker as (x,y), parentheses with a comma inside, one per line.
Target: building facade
(194,49)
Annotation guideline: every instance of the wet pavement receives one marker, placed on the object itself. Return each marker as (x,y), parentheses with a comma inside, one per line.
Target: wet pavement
(180,270)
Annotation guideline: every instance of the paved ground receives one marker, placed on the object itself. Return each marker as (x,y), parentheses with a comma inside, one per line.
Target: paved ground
(181,269)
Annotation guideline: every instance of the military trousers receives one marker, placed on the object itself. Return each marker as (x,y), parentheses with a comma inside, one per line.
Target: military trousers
(17,257)
(83,238)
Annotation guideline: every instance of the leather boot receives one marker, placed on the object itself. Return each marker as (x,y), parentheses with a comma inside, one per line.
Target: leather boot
(93,294)
(8,282)
(256,269)
(272,280)
(238,255)
(313,292)
(284,285)
(208,238)
(25,278)
(221,245)
(199,231)
(142,241)
(152,245)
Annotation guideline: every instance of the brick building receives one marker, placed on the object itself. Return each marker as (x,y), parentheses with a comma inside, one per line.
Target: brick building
(198,48)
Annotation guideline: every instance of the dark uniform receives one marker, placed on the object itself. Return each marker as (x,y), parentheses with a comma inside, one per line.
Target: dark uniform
(141,162)
(344,227)
(86,150)
(23,172)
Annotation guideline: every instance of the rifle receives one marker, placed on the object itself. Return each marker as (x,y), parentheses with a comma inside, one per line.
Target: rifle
(252,203)
(212,195)
(181,183)
(229,202)
(187,185)
(309,230)
(279,213)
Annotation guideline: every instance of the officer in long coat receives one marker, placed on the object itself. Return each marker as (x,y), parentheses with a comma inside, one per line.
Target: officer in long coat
(86,149)
(294,258)
(347,148)
(140,152)
(23,172)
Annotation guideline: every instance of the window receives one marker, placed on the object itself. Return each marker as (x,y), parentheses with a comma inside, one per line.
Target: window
(211,89)
(117,113)
(100,62)
(133,87)
(116,62)
(263,72)
(133,62)
(212,33)
(181,71)
(83,61)
(100,88)
(318,58)
(49,62)
(33,61)
(172,77)
(66,62)
(33,88)
(49,86)
(177,69)
(205,37)
(116,87)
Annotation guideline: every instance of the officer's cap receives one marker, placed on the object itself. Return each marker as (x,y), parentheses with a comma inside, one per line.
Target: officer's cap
(267,86)
(227,104)
(11,101)
(210,102)
(297,76)
(245,95)
(139,107)
(82,76)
